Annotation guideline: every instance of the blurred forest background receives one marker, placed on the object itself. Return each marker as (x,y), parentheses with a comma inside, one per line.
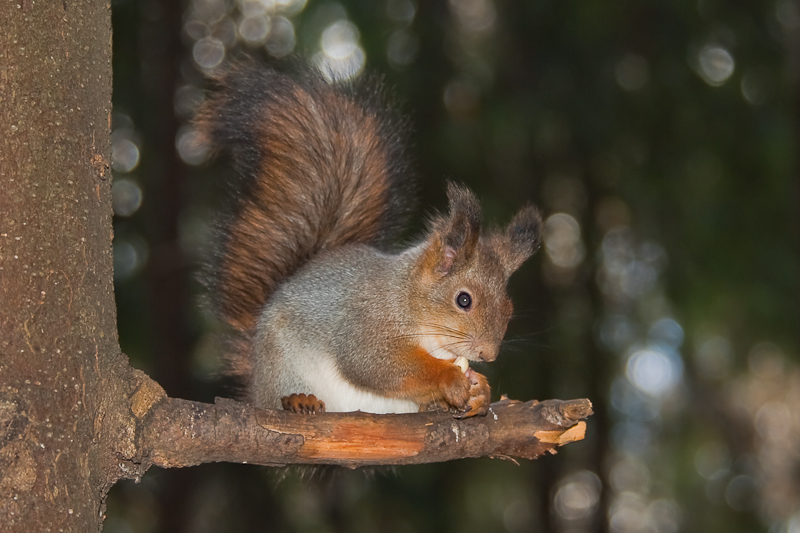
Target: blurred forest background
(659,137)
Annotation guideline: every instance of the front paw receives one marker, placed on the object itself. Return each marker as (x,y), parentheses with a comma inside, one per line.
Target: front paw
(455,389)
(303,404)
(479,395)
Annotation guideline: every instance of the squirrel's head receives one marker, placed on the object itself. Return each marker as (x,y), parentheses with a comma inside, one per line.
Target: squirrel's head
(461,278)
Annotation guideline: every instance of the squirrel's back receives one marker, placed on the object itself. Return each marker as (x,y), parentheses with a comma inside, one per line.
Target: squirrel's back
(323,166)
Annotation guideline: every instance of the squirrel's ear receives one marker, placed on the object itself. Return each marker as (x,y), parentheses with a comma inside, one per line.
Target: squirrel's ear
(521,238)
(454,237)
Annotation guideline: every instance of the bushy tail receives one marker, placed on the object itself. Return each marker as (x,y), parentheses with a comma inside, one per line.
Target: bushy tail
(322,166)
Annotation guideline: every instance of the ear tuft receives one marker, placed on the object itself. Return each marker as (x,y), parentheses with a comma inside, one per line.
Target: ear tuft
(523,236)
(462,227)
(454,237)
(464,204)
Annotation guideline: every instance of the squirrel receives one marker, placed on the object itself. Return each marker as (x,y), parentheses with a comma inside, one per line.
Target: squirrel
(325,314)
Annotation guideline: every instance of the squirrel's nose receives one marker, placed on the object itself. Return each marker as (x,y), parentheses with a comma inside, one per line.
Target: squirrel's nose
(488,354)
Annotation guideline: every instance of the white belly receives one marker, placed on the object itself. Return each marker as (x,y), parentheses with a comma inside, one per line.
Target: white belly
(325,382)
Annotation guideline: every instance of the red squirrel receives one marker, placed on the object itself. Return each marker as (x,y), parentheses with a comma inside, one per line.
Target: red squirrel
(325,315)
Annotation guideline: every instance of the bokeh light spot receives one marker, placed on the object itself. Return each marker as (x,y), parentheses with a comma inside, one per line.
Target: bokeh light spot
(208,52)
(254,30)
(187,99)
(190,145)
(340,39)
(715,64)
(654,370)
(562,240)
(577,495)
(209,11)
(474,15)
(741,492)
(256,8)
(461,97)
(401,10)
(756,86)
(402,48)
(130,255)
(342,57)
(124,154)
(126,197)
(291,7)
(281,40)
(667,331)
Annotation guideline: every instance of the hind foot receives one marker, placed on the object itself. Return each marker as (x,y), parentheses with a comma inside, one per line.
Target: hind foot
(306,404)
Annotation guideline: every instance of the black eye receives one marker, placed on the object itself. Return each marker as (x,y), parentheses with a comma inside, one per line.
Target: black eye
(464,300)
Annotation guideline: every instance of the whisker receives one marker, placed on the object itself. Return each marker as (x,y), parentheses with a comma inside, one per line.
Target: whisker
(520,344)
(420,335)
(448,346)
(442,327)
(524,339)
(544,330)
(529,312)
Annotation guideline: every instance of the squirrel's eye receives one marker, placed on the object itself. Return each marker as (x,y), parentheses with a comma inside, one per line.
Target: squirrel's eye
(464,300)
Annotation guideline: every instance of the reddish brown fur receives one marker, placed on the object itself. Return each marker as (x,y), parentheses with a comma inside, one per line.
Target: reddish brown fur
(285,179)
(323,166)
(438,383)
(428,379)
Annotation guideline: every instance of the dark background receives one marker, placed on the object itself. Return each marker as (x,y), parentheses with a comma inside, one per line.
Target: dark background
(660,138)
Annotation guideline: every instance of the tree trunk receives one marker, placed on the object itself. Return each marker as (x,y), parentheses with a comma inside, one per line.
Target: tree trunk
(74,416)
(60,363)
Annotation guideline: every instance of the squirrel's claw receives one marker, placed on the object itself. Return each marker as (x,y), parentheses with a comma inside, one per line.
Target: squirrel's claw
(479,395)
(306,404)
(466,393)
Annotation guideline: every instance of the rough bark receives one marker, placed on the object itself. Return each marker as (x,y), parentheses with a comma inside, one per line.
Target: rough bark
(59,355)
(179,433)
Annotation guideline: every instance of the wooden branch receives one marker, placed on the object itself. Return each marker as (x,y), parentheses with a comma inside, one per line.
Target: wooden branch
(179,433)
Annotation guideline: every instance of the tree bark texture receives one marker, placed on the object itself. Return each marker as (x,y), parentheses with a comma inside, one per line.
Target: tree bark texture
(179,433)
(58,342)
